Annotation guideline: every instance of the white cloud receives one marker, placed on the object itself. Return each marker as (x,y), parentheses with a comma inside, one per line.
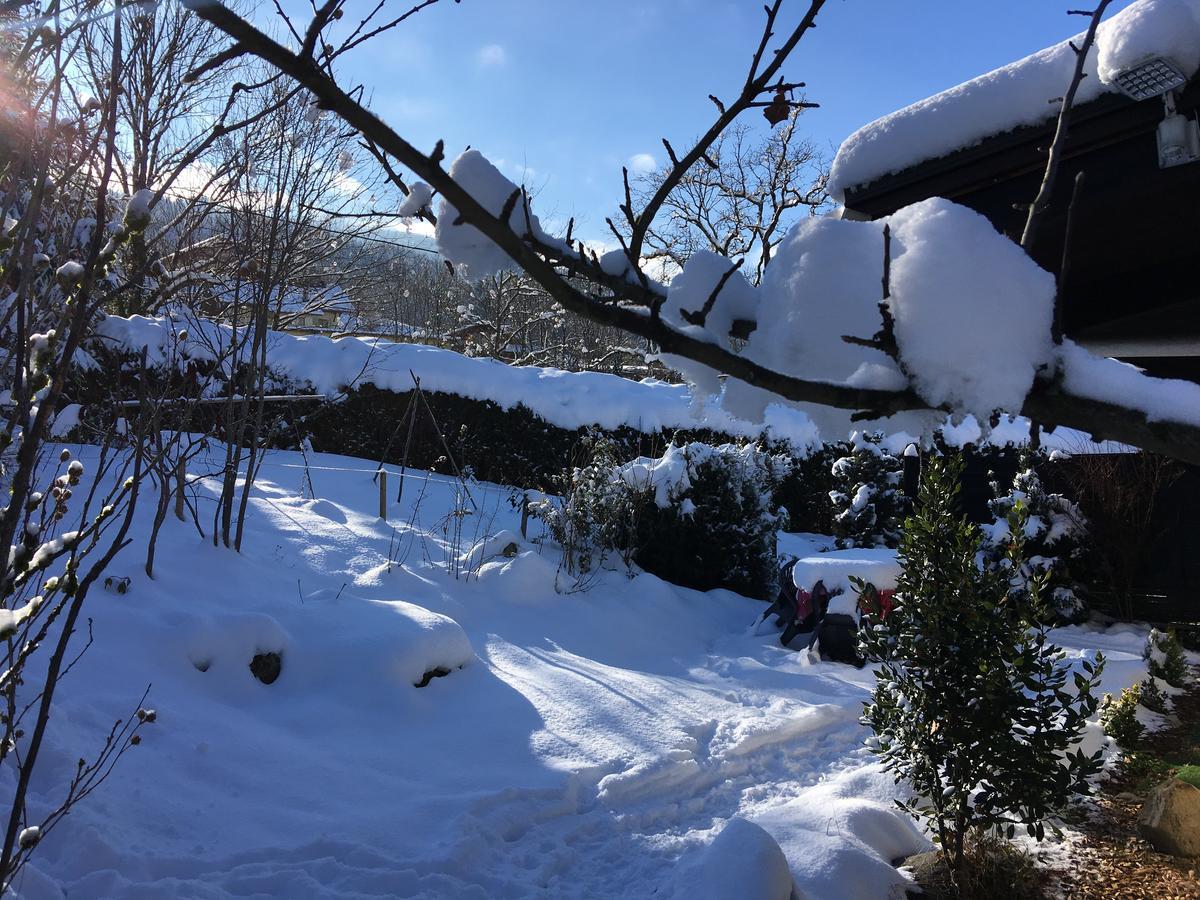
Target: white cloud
(346,184)
(491,55)
(640,163)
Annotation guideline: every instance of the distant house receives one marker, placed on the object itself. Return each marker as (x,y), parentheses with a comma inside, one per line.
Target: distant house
(1131,288)
(231,286)
(325,309)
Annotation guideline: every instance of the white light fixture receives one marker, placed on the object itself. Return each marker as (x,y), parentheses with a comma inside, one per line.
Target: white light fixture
(1178,136)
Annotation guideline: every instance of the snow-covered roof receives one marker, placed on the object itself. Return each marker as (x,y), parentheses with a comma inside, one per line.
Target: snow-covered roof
(327,298)
(295,300)
(1018,94)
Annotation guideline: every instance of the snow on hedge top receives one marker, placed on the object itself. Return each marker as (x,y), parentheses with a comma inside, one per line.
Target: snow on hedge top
(465,245)
(566,399)
(1017,94)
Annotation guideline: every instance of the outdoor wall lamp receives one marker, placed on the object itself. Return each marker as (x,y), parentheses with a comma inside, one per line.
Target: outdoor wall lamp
(1178,136)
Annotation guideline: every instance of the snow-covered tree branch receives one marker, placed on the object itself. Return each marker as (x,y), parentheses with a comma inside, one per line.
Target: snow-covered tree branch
(972,313)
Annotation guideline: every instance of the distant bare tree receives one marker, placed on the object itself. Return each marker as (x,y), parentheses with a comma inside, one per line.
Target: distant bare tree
(741,198)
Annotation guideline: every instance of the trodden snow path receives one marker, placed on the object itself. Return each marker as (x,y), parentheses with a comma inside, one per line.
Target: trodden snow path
(595,746)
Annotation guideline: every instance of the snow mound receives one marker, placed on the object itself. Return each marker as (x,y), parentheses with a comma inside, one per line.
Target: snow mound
(330,638)
(878,566)
(743,861)
(527,578)
(1017,94)
(500,544)
(221,646)
(380,643)
(841,839)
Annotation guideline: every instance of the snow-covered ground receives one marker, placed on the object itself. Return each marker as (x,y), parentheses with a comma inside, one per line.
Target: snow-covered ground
(595,743)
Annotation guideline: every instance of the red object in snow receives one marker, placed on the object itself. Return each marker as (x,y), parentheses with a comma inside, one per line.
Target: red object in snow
(803,604)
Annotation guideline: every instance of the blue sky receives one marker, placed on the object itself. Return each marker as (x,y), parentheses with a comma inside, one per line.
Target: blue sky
(565,92)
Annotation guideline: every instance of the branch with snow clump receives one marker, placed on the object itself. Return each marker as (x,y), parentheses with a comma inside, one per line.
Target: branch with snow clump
(1049,400)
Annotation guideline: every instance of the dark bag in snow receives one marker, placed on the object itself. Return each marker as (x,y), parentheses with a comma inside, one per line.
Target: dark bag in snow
(837,639)
(784,607)
(808,610)
(796,610)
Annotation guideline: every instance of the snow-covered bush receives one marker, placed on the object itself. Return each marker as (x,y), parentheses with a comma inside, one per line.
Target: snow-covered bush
(596,515)
(1118,717)
(1053,530)
(707,518)
(699,515)
(1164,656)
(804,490)
(868,501)
(971,708)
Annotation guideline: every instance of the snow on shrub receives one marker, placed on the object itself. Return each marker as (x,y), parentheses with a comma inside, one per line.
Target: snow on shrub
(868,502)
(712,522)
(1152,696)
(595,516)
(743,861)
(1164,656)
(1053,531)
(699,515)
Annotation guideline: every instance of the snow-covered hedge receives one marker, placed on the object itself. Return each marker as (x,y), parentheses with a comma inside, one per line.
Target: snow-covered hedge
(331,367)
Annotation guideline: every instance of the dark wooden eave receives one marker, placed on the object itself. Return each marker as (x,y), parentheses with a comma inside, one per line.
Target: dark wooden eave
(1135,250)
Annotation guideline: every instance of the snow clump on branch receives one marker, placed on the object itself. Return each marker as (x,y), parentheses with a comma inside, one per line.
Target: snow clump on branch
(971,314)
(419,195)
(463,244)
